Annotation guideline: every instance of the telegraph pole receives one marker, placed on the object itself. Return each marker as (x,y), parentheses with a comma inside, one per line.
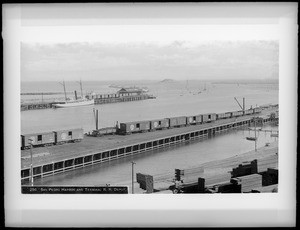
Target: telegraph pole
(31,168)
(255,134)
(132,175)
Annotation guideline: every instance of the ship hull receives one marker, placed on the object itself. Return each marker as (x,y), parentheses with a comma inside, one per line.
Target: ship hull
(74,104)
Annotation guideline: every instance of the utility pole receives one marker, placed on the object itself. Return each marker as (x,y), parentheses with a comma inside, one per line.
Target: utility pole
(255,134)
(132,175)
(96,117)
(31,167)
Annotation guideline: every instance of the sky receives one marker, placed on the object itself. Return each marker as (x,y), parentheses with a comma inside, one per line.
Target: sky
(178,60)
(141,44)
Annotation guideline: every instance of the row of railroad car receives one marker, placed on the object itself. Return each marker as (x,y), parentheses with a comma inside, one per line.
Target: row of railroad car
(152,125)
(74,135)
(51,138)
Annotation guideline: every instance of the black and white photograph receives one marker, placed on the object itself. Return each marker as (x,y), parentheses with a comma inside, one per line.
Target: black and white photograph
(152,101)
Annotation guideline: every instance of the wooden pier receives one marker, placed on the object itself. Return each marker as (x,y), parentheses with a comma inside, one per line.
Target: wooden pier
(98,100)
(94,150)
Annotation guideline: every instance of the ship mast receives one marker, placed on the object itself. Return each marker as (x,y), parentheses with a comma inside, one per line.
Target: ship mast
(64,85)
(80,83)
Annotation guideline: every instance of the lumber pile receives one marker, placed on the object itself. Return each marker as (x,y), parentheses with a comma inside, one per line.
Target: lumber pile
(248,182)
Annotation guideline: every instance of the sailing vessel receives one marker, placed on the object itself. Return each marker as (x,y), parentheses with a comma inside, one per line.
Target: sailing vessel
(73,102)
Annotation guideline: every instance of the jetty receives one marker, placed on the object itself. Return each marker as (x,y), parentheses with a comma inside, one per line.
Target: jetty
(55,159)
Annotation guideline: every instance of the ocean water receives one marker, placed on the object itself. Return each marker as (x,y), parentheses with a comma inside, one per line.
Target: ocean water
(173,99)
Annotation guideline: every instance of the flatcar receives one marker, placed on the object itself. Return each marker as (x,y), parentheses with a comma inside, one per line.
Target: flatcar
(159,124)
(177,121)
(104,131)
(37,139)
(209,117)
(193,120)
(134,127)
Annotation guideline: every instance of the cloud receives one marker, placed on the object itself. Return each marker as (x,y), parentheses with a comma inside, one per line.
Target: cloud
(144,59)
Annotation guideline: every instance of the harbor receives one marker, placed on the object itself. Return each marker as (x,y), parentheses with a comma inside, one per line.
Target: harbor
(123,95)
(92,151)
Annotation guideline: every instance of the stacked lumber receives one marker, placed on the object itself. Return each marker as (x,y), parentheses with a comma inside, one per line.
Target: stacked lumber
(248,182)
(267,162)
(266,189)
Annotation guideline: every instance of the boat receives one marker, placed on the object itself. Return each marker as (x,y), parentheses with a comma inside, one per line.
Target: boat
(251,138)
(73,102)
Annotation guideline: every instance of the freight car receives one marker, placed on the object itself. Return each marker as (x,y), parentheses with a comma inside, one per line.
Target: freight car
(257,110)
(159,124)
(237,113)
(134,127)
(177,121)
(104,131)
(223,116)
(51,138)
(71,135)
(193,120)
(248,111)
(37,139)
(209,117)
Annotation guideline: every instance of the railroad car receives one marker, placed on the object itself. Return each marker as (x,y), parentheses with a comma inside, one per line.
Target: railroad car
(104,131)
(193,120)
(133,127)
(37,139)
(177,121)
(159,124)
(248,112)
(209,117)
(257,110)
(70,135)
(237,113)
(223,116)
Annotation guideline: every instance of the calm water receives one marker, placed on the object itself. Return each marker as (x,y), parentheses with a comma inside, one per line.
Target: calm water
(163,161)
(173,99)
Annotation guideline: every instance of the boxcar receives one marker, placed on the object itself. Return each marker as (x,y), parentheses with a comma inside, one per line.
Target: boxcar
(209,117)
(73,135)
(177,121)
(159,124)
(135,126)
(248,111)
(257,110)
(222,116)
(37,139)
(237,113)
(192,120)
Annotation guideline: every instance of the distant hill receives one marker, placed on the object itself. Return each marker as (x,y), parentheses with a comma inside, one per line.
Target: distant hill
(167,80)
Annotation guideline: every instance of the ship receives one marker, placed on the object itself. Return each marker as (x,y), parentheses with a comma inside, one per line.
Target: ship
(73,102)
(251,138)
